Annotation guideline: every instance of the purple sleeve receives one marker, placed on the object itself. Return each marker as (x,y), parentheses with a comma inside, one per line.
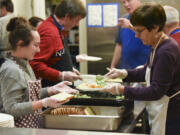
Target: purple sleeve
(136,75)
(162,76)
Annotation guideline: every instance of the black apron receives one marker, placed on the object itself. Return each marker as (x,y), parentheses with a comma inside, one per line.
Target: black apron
(65,63)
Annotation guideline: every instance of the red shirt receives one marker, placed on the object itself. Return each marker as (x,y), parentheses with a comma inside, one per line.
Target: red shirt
(176,36)
(50,44)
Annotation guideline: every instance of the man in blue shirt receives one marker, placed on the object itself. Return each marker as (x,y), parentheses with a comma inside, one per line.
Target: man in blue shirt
(129,50)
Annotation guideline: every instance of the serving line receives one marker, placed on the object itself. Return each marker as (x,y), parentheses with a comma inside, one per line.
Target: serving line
(26,131)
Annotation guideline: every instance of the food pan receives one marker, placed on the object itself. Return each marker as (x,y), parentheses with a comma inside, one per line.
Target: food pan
(105,118)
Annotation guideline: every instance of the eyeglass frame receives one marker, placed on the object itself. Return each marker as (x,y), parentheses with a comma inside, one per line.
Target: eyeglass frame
(138,32)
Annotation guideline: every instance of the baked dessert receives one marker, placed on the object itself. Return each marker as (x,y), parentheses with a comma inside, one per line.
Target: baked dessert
(72,110)
(68,110)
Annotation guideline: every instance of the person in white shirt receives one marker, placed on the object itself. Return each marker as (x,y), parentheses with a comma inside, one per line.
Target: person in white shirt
(6,11)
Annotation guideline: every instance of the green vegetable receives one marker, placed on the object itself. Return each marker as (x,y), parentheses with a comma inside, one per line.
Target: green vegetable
(99,77)
(100,80)
(120,97)
(82,96)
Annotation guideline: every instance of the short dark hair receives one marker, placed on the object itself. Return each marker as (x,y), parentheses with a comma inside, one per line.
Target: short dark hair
(7,4)
(71,7)
(149,15)
(35,20)
(19,29)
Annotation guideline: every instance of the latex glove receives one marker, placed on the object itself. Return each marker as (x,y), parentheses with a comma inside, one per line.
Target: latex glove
(51,102)
(81,58)
(114,89)
(140,66)
(62,87)
(70,76)
(125,23)
(114,73)
(76,71)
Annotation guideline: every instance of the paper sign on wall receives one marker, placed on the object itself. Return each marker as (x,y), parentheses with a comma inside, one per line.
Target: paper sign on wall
(102,15)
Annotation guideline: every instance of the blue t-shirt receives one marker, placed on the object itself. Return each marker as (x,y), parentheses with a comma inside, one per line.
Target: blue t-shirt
(134,52)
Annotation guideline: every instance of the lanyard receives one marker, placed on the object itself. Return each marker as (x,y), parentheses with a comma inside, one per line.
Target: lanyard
(153,51)
(59,27)
(175,31)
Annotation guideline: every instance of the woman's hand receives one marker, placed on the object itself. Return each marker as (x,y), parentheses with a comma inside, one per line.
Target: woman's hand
(114,73)
(114,89)
(51,102)
(62,87)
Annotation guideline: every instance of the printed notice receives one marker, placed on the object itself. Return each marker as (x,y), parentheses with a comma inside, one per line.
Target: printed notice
(94,15)
(102,14)
(110,15)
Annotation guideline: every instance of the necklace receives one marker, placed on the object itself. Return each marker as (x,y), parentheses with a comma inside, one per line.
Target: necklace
(153,52)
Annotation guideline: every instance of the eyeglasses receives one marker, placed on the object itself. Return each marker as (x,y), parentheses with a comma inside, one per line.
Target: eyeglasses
(138,32)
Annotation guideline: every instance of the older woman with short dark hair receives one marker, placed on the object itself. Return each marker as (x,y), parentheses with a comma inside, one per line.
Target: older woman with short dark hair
(161,72)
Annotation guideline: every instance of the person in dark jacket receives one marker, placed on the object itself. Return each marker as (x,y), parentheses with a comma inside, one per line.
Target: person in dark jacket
(161,72)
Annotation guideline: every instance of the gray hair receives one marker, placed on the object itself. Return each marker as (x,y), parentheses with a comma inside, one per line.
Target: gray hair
(72,8)
(172,14)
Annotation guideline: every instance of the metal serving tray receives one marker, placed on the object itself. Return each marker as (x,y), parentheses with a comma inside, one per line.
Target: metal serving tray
(106,118)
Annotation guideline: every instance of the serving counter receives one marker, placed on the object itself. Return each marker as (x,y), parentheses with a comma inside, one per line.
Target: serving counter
(23,131)
(125,128)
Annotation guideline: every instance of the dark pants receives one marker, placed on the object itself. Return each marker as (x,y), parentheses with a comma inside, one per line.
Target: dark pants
(173,127)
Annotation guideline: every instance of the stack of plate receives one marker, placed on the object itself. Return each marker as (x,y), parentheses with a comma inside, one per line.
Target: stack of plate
(6,120)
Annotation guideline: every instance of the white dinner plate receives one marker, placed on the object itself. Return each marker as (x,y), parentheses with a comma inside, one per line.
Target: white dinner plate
(86,78)
(86,86)
(92,58)
(6,120)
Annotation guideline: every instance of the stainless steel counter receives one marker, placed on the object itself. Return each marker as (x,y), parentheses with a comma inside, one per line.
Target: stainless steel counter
(25,131)
(125,128)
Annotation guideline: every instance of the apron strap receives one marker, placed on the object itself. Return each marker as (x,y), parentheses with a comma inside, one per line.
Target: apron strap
(174,94)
